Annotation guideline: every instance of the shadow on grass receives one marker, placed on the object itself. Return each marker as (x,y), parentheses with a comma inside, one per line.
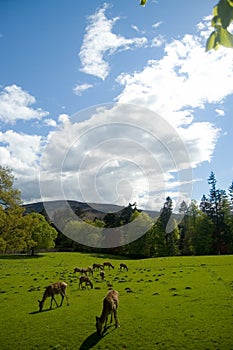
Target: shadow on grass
(19,256)
(40,312)
(94,338)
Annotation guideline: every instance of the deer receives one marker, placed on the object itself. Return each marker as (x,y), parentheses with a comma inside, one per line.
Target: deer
(110,305)
(97,266)
(50,291)
(123,266)
(107,263)
(90,270)
(102,274)
(81,270)
(86,280)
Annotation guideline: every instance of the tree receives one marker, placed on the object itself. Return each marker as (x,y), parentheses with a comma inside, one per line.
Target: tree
(9,196)
(20,232)
(165,238)
(200,234)
(231,195)
(39,233)
(216,206)
(183,210)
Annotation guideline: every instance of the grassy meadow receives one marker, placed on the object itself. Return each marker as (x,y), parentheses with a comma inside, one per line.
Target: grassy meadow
(165,303)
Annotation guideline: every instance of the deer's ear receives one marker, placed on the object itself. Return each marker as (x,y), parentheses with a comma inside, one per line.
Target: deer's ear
(38,301)
(97,318)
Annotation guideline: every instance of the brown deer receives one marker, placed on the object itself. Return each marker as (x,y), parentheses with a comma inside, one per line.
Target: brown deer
(97,267)
(81,270)
(86,280)
(50,291)
(123,266)
(102,274)
(107,263)
(89,269)
(110,304)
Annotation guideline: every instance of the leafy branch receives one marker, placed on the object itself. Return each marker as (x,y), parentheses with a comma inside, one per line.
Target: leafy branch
(222,18)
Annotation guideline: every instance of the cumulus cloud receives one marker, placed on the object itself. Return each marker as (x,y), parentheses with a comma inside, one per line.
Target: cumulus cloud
(20,150)
(220,112)
(116,156)
(100,42)
(79,89)
(184,80)
(50,122)
(16,103)
(21,153)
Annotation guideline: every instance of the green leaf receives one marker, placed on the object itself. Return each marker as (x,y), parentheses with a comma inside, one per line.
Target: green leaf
(225,12)
(143,2)
(216,21)
(225,38)
(212,41)
(230,2)
(215,11)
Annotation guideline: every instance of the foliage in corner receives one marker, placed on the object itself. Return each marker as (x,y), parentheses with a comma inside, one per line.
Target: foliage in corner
(143,2)
(222,18)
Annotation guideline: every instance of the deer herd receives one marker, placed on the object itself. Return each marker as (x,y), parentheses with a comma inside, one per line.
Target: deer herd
(110,302)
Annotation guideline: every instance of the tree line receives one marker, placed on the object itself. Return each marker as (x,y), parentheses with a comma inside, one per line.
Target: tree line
(198,229)
(20,232)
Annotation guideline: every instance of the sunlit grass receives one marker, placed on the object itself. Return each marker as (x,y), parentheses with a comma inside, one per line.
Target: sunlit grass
(165,303)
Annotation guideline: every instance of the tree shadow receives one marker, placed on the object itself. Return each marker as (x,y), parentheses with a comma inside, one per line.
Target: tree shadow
(94,338)
(19,256)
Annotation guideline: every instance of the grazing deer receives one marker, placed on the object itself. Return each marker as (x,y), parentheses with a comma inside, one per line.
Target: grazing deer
(108,264)
(90,270)
(102,274)
(97,267)
(50,291)
(110,304)
(81,270)
(123,266)
(86,280)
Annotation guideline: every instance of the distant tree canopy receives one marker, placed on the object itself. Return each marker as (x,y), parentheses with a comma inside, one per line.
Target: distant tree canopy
(198,229)
(222,18)
(19,232)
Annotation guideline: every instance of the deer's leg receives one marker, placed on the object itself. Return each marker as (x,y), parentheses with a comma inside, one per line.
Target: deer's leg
(67,300)
(116,318)
(106,321)
(62,298)
(53,298)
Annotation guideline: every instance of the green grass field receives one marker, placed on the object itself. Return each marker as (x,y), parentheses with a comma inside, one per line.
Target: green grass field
(173,303)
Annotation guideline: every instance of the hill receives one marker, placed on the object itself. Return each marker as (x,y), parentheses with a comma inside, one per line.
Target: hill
(88,210)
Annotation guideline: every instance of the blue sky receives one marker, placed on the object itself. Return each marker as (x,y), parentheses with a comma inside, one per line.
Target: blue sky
(165,120)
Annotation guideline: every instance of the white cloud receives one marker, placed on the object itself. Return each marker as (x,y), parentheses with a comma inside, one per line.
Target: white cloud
(116,156)
(135,28)
(21,151)
(158,41)
(15,104)
(157,24)
(99,42)
(184,79)
(220,112)
(79,89)
(50,122)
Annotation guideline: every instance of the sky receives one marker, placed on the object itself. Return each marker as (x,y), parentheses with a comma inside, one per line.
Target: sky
(111,102)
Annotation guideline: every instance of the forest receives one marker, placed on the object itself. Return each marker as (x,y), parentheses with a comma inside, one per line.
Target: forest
(203,228)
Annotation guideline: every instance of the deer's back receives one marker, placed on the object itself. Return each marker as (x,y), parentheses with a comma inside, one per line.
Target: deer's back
(111,300)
